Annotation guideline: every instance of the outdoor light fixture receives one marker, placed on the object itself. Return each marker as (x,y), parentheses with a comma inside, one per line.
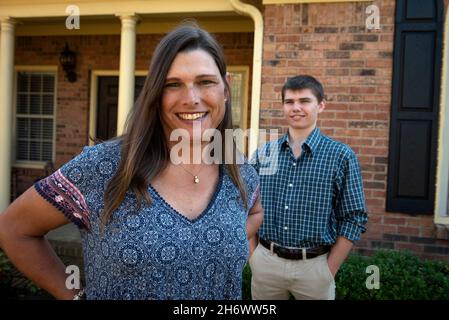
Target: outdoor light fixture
(68,63)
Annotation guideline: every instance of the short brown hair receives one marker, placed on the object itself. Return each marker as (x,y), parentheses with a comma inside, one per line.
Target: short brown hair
(304,82)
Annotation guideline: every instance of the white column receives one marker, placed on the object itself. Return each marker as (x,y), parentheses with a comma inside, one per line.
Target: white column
(127,69)
(6,106)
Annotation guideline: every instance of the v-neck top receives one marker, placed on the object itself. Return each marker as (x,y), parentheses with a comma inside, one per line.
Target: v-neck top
(155,193)
(154,252)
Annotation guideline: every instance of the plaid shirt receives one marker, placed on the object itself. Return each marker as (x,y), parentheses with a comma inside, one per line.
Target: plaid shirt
(312,200)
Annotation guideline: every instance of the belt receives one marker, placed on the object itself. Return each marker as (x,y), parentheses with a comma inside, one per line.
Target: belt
(294,253)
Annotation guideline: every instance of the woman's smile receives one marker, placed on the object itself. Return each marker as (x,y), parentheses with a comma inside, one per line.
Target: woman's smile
(192,116)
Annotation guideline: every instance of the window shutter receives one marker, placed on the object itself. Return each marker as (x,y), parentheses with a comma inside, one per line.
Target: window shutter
(415,106)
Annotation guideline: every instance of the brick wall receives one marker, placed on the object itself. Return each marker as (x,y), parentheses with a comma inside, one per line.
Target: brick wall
(330,42)
(96,53)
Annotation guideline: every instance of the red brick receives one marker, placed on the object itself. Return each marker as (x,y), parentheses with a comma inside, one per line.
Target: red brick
(395,221)
(345,132)
(326,115)
(415,222)
(378,210)
(334,123)
(375,219)
(408,246)
(408,230)
(374,133)
(374,185)
(379,63)
(374,151)
(363,89)
(427,232)
(367,176)
(365,159)
(427,222)
(379,194)
(359,142)
(381,143)
(374,116)
(375,202)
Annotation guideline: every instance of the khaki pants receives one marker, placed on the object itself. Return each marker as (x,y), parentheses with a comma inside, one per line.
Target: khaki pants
(273,278)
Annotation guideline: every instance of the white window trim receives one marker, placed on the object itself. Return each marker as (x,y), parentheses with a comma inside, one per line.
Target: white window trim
(245,71)
(441,215)
(244,114)
(94,97)
(33,164)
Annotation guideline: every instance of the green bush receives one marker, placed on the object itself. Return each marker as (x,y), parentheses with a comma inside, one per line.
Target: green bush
(402,276)
(13,285)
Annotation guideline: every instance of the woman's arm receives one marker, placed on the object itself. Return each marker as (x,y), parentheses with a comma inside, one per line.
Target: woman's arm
(22,228)
(253,222)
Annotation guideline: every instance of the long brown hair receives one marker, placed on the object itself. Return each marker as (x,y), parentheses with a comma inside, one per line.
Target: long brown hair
(143,153)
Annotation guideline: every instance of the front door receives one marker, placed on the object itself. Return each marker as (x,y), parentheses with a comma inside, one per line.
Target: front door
(107,105)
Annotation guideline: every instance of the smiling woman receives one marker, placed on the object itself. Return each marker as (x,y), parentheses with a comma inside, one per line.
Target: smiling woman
(194,91)
(149,231)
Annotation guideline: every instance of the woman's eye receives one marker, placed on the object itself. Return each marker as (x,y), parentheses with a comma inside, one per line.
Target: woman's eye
(206,82)
(172,85)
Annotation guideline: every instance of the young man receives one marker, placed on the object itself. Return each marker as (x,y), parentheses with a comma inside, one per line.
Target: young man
(314,203)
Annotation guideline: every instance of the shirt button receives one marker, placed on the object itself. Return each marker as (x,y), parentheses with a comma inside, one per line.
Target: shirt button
(290,185)
(286,207)
(294,164)
(285,228)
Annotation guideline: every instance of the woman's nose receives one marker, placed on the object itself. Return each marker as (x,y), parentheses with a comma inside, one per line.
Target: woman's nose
(191,95)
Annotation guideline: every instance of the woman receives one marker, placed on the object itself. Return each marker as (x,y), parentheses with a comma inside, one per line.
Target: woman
(151,227)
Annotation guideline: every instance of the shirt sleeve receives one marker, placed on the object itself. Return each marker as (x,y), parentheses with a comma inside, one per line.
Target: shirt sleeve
(350,208)
(255,161)
(66,189)
(252,181)
(255,195)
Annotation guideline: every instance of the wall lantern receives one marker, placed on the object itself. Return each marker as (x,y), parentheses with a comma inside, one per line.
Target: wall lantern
(68,63)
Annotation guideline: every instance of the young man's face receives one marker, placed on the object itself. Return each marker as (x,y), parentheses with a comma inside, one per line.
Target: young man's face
(301,109)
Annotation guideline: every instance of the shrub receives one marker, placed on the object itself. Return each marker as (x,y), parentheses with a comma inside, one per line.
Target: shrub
(13,285)
(402,276)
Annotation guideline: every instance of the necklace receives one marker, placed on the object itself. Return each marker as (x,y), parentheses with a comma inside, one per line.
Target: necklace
(195,176)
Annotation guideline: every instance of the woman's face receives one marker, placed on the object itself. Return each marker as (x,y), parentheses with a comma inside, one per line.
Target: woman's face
(194,93)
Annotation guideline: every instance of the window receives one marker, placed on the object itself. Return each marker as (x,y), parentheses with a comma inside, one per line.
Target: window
(239,90)
(239,95)
(35,116)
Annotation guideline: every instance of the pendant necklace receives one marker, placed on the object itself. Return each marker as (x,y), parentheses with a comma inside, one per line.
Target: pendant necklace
(196,179)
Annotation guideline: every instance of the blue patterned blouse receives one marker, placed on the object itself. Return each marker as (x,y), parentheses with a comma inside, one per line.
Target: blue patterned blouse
(155,253)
